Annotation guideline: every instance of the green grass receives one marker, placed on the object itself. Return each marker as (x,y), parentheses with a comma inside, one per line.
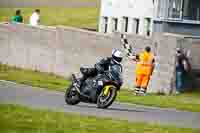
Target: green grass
(18,119)
(33,78)
(189,101)
(75,17)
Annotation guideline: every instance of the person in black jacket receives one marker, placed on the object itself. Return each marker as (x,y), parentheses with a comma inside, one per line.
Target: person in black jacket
(182,68)
(101,66)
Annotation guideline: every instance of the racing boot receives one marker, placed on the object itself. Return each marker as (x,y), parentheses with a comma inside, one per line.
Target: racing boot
(142,92)
(76,83)
(136,91)
(80,81)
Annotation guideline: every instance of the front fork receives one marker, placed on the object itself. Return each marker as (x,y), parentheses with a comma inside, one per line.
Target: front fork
(106,89)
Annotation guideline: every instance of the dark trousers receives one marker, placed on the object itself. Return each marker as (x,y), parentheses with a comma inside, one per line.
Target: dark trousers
(179,80)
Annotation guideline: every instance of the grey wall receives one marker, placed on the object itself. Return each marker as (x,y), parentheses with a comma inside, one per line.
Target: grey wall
(63,50)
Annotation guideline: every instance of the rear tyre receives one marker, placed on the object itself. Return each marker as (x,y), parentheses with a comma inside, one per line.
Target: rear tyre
(105,101)
(72,97)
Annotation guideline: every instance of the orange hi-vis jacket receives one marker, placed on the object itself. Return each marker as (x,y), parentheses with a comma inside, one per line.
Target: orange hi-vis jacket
(145,64)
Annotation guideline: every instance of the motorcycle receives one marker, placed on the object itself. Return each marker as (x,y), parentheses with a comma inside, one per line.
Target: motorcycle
(100,89)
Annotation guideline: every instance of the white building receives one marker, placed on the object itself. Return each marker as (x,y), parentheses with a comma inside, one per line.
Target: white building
(131,16)
(177,16)
(146,16)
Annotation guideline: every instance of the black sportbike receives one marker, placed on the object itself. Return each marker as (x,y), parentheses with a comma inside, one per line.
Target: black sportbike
(100,89)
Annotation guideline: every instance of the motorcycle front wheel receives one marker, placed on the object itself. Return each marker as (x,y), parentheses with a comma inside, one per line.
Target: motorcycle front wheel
(107,96)
(72,97)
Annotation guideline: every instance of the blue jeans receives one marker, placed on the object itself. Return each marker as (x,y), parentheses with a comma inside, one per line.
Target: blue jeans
(179,80)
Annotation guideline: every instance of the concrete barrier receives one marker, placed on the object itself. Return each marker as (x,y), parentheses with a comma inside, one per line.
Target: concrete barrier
(62,50)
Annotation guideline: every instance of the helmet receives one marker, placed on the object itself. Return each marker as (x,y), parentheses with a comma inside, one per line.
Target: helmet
(117,56)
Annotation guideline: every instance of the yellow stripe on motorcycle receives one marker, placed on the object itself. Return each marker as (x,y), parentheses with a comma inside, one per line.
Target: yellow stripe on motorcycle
(106,89)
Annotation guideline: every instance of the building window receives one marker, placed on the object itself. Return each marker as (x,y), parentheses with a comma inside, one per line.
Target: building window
(115,24)
(125,24)
(137,25)
(148,26)
(184,9)
(159,8)
(105,24)
(191,10)
(175,9)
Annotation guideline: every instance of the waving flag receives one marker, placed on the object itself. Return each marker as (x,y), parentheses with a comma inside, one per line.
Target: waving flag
(126,46)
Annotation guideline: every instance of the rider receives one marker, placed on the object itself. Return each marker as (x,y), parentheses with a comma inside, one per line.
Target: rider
(101,66)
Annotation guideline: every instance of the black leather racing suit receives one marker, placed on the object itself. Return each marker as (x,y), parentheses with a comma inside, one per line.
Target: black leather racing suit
(99,68)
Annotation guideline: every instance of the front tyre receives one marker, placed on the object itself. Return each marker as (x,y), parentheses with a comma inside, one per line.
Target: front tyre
(72,96)
(107,96)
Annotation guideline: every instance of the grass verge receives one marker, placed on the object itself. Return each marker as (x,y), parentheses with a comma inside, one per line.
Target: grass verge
(187,101)
(83,17)
(18,119)
(33,78)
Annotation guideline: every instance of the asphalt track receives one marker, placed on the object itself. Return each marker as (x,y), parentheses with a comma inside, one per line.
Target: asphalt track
(11,93)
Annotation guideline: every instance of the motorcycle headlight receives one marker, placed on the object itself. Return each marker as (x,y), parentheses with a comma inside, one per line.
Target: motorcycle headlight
(100,83)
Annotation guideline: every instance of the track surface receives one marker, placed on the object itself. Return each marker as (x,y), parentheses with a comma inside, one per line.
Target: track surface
(11,93)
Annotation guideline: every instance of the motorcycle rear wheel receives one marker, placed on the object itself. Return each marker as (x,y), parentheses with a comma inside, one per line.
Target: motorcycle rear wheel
(72,97)
(105,101)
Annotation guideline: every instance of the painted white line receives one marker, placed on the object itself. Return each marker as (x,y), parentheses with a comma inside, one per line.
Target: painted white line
(5,81)
(38,88)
